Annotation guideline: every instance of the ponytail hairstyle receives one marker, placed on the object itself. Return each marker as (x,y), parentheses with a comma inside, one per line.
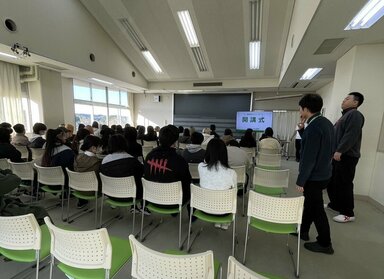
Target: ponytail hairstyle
(52,142)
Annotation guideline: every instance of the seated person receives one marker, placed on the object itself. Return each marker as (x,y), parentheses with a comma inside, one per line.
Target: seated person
(228,136)
(267,141)
(20,138)
(135,149)
(194,153)
(37,141)
(186,137)
(150,135)
(248,140)
(7,150)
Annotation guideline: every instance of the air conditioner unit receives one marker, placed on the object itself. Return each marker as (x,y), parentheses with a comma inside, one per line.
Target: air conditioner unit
(28,73)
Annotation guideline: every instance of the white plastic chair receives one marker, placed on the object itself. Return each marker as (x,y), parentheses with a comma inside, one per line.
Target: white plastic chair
(268,161)
(251,151)
(118,187)
(150,264)
(210,203)
(23,240)
(23,150)
(4,164)
(37,153)
(269,151)
(238,271)
(275,215)
(146,150)
(270,182)
(82,182)
(152,143)
(93,251)
(168,194)
(241,180)
(194,170)
(25,171)
(51,176)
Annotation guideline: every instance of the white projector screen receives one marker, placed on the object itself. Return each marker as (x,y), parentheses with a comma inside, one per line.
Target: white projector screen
(255,120)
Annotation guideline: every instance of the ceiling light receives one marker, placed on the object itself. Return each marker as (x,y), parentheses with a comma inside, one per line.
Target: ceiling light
(148,56)
(102,81)
(189,29)
(254,55)
(8,55)
(310,73)
(367,16)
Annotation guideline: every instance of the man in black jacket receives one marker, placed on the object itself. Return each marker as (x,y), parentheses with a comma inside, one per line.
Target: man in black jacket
(348,131)
(163,164)
(315,170)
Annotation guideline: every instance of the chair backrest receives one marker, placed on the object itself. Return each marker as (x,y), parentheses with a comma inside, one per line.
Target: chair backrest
(182,145)
(250,152)
(269,151)
(4,164)
(147,263)
(214,201)
(82,249)
(23,150)
(20,232)
(37,153)
(146,150)
(82,181)
(151,143)
(118,187)
(50,175)
(275,209)
(162,193)
(23,170)
(268,160)
(238,271)
(194,171)
(241,173)
(271,178)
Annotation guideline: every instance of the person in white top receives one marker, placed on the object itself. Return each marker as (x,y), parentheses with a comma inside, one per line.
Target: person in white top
(267,141)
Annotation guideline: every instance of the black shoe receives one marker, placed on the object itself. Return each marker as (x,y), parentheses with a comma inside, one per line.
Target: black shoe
(303,236)
(316,247)
(81,204)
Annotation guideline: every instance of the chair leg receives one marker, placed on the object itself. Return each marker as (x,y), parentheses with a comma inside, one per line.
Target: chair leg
(180,215)
(37,263)
(69,194)
(62,203)
(246,241)
(51,266)
(189,229)
(134,216)
(243,199)
(142,221)
(96,198)
(37,191)
(101,210)
(298,256)
(233,236)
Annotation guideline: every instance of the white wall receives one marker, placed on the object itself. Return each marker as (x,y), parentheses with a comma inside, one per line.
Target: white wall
(160,113)
(68,104)
(326,93)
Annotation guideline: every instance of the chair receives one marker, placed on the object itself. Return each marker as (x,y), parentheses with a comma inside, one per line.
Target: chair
(269,151)
(118,187)
(275,215)
(51,176)
(23,150)
(241,180)
(238,271)
(146,150)
(150,264)
(170,198)
(251,151)
(270,182)
(209,205)
(152,143)
(23,240)
(182,145)
(79,182)
(268,161)
(4,164)
(193,169)
(87,254)
(25,171)
(37,153)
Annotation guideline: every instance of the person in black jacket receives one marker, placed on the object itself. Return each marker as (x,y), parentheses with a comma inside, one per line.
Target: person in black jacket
(7,150)
(248,140)
(315,171)
(163,164)
(135,149)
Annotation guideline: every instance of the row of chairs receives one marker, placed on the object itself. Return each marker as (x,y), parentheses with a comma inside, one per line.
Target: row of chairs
(95,254)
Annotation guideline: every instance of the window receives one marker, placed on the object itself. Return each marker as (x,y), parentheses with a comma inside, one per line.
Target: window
(105,105)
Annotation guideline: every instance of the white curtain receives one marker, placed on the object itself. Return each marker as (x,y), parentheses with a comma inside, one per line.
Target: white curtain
(131,109)
(284,125)
(10,94)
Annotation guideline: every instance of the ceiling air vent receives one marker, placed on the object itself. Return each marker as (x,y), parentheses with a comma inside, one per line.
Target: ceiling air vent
(204,84)
(328,45)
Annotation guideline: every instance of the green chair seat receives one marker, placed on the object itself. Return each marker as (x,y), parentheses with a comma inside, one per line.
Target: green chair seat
(269,191)
(121,253)
(83,196)
(162,210)
(50,190)
(118,203)
(28,256)
(272,227)
(211,218)
(216,263)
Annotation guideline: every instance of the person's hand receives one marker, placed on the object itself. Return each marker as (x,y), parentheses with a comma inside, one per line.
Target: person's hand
(337,156)
(300,125)
(299,189)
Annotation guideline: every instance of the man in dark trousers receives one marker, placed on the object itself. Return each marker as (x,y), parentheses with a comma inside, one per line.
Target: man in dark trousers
(315,171)
(348,132)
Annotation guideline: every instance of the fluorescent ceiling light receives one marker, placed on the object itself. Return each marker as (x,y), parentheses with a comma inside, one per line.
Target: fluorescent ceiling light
(102,81)
(189,30)
(310,73)
(368,15)
(148,56)
(8,55)
(254,55)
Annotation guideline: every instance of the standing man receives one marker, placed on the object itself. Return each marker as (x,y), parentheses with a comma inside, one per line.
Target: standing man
(315,171)
(348,132)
